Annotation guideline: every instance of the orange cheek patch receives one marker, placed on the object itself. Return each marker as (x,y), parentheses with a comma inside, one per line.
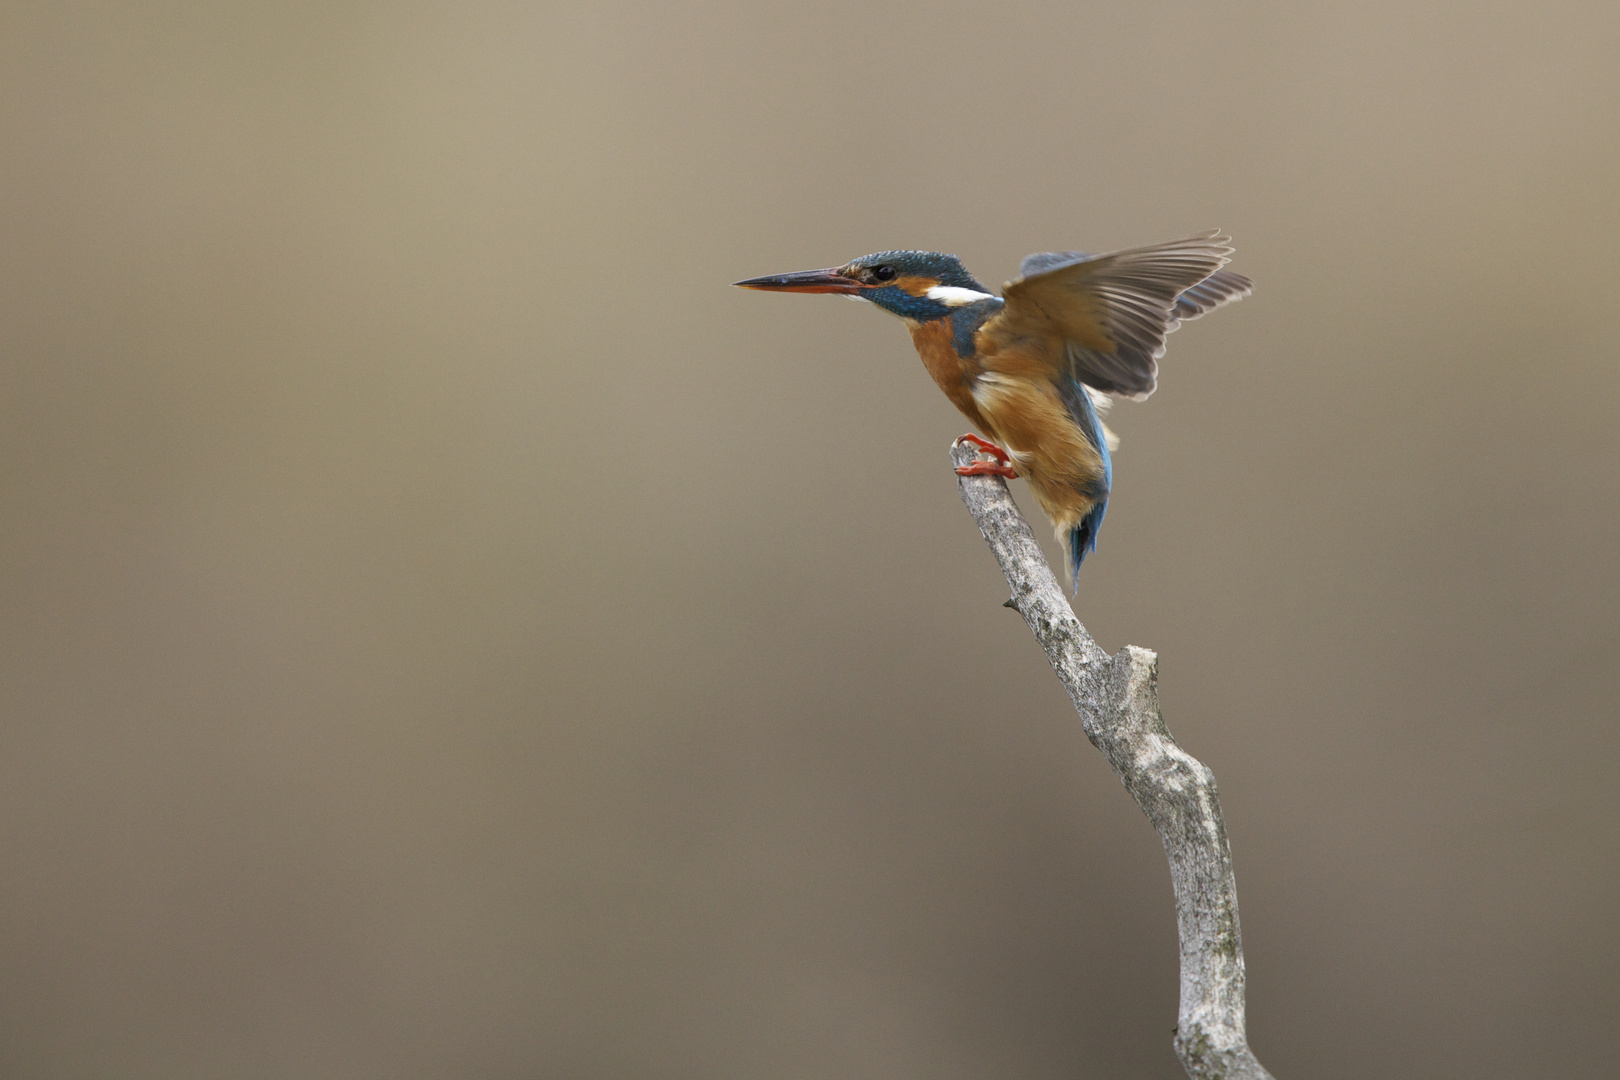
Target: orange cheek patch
(916,286)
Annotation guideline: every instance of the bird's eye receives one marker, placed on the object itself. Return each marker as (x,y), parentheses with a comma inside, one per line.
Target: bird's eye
(884,273)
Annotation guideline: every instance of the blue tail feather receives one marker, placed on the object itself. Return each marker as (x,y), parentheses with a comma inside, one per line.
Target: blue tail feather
(1083,540)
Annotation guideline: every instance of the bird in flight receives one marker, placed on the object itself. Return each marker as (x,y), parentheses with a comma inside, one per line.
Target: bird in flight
(1035,367)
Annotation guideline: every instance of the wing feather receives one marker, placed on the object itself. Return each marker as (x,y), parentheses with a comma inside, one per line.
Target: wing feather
(1221,287)
(1112,311)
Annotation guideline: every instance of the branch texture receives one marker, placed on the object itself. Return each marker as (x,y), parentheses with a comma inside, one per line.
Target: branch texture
(1118,700)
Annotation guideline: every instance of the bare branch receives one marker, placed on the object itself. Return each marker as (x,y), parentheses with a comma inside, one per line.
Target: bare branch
(1117,697)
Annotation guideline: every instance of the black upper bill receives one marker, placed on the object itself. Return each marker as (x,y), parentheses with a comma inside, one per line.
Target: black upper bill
(805,281)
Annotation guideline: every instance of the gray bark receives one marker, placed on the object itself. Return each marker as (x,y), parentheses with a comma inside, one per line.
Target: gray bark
(1117,697)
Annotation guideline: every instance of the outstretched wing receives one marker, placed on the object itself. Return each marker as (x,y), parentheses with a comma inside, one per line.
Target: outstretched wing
(1111,312)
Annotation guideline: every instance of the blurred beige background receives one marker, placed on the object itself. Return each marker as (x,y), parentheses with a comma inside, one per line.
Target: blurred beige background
(447,632)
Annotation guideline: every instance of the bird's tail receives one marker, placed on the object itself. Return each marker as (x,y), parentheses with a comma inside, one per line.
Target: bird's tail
(1082,539)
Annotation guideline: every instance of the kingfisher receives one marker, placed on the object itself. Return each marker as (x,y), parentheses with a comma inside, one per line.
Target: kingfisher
(1036,367)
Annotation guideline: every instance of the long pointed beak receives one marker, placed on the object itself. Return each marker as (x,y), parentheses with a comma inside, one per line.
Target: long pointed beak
(811,281)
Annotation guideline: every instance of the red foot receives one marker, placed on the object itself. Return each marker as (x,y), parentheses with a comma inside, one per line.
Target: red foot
(1002,466)
(987,468)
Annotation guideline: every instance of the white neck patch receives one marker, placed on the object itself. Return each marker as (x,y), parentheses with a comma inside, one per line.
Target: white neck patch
(956,296)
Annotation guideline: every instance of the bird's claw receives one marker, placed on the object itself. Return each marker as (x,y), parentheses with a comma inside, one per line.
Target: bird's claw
(1002,466)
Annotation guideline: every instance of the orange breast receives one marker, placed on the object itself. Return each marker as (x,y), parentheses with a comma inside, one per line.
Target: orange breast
(951,372)
(1017,395)
(1009,394)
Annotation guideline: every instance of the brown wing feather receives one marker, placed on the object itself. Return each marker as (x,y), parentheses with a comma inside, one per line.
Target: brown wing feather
(1221,287)
(1111,312)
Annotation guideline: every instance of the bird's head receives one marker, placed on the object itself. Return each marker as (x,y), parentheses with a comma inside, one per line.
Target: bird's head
(918,286)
